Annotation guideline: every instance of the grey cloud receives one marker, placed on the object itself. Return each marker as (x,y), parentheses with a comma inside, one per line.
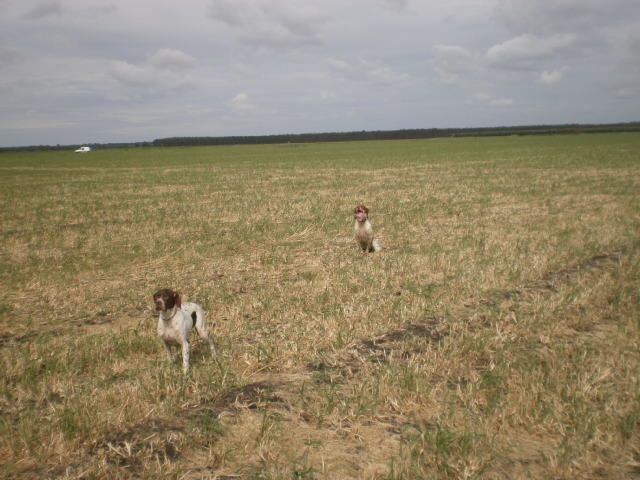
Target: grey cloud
(9,55)
(624,40)
(451,61)
(367,70)
(104,9)
(163,71)
(43,10)
(225,11)
(273,66)
(634,43)
(396,4)
(132,75)
(273,23)
(553,16)
(625,92)
(592,22)
(382,74)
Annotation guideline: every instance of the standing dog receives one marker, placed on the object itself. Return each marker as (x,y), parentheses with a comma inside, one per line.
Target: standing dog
(176,321)
(363,231)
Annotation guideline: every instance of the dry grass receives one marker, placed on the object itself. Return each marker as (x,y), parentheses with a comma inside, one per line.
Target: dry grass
(496,336)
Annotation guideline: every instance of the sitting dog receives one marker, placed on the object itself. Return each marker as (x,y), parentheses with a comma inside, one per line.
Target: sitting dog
(364,231)
(176,321)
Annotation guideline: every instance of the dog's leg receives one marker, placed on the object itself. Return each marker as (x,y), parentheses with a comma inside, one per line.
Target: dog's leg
(205,336)
(203,333)
(167,349)
(185,356)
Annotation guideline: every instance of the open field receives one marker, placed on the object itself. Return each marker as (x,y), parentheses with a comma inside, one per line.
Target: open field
(496,336)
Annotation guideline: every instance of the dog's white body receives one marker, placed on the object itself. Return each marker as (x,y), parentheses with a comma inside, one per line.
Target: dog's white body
(363,232)
(175,325)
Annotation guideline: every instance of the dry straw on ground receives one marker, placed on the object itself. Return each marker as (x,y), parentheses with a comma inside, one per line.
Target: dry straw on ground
(496,336)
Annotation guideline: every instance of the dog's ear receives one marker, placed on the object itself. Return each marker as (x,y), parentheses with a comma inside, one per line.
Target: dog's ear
(176,299)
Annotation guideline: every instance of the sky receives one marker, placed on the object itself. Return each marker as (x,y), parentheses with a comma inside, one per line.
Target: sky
(100,71)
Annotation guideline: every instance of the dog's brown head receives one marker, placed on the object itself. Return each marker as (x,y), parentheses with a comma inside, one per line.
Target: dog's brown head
(165,299)
(361,213)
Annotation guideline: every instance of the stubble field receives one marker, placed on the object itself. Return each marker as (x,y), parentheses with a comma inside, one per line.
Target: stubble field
(495,336)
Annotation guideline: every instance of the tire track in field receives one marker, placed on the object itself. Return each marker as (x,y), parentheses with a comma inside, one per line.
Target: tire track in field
(71,327)
(276,392)
(347,362)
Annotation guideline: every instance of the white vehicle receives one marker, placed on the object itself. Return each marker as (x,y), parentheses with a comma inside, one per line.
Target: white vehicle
(84,149)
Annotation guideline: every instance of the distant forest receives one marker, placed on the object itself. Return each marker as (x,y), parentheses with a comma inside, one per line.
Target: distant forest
(406,134)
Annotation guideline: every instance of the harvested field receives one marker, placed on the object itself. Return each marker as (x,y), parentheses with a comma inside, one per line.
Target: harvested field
(495,336)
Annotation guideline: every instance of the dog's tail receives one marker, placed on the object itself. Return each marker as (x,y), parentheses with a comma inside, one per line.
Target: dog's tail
(375,245)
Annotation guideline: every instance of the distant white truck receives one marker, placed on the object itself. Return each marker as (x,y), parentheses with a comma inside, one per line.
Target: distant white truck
(84,149)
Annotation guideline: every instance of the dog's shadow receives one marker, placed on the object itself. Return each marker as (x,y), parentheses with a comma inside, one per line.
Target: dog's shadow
(200,352)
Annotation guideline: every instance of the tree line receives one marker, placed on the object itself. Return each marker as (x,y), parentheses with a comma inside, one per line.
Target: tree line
(404,134)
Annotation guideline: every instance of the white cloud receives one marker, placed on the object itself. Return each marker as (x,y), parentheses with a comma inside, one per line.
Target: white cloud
(170,59)
(524,52)
(241,102)
(549,77)
(489,100)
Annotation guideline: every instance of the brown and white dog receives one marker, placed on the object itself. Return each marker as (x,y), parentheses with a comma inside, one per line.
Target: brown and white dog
(363,231)
(176,321)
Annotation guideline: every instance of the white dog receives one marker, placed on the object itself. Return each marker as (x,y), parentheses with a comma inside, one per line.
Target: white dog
(176,321)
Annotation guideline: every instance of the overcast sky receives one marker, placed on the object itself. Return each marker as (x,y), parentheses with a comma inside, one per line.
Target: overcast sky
(81,71)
